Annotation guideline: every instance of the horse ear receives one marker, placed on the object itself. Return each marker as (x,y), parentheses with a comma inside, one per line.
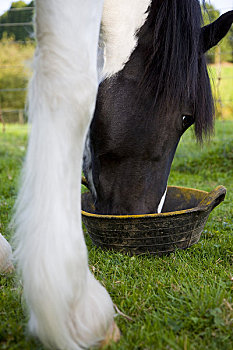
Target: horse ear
(214,32)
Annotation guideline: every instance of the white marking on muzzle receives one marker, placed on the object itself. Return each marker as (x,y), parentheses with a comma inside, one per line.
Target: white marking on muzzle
(160,206)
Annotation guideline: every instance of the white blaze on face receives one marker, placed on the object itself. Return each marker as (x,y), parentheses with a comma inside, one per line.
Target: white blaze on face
(160,206)
(120,21)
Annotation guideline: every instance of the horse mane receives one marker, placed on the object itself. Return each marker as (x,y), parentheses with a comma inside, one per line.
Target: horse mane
(175,68)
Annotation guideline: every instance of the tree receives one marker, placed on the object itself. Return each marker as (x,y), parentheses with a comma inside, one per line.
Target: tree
(19,32)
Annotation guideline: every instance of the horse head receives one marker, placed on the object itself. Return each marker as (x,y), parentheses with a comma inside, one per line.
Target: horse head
(147,102)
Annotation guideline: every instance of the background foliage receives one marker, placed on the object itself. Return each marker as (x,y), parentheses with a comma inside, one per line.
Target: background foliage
(20,33)
(15,60)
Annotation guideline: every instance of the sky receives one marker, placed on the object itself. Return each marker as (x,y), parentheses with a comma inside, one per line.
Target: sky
(5,4)
(222,4)
(219,4)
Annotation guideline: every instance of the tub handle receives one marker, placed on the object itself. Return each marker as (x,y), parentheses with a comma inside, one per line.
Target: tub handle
(213,198)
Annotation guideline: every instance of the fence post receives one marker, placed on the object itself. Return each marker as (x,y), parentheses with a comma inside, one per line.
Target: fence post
(219,78)
(21,119)
(3,122)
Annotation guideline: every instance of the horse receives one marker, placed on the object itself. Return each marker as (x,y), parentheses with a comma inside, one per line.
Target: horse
(68,308)
(146,101)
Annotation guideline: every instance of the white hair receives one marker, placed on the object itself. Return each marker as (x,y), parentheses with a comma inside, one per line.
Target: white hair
(5,255)
(120,21)
(68,308)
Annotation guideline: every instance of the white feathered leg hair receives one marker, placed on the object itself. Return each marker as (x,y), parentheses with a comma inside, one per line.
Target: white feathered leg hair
(5,256)
(68,308)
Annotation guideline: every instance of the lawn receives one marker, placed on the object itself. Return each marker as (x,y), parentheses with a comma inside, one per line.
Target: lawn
(182,301)
(221,77)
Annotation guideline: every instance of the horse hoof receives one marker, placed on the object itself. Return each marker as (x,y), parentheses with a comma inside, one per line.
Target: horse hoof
(113,335)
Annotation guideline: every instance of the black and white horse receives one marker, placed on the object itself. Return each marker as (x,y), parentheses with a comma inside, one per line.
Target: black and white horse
(153,92)
(155,87)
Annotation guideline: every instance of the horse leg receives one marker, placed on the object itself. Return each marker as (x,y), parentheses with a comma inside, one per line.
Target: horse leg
(68,308)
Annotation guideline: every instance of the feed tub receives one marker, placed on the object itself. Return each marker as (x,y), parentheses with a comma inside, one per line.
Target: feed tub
(180,225)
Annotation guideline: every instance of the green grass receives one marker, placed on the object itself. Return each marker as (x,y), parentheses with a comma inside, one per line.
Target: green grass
(15,70)
(182,301)
(222,89)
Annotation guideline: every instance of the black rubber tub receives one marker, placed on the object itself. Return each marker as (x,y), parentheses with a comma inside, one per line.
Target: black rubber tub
(180,225)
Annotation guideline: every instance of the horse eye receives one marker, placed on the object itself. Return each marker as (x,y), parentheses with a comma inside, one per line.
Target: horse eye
(187,121)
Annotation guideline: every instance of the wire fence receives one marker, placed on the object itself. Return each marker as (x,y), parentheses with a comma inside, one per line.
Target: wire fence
(16,52)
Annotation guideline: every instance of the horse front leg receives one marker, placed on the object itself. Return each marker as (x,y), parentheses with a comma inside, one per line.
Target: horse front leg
(68,308)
